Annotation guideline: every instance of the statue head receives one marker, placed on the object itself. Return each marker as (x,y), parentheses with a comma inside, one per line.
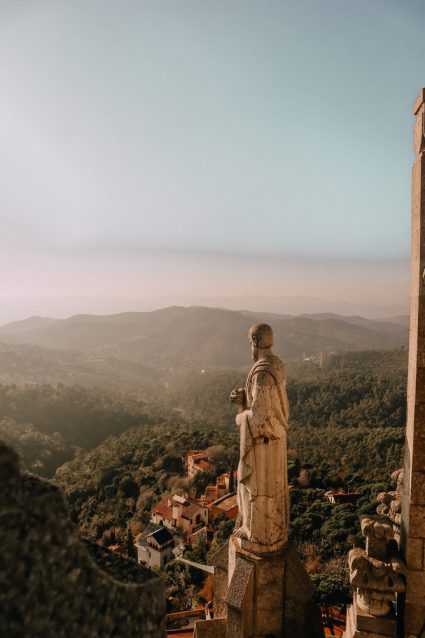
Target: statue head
(260,337)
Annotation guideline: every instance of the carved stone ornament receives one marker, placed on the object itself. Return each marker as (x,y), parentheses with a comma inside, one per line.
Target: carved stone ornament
(419,126)
(376,582)
(377,573)
(390,503)
(378,531)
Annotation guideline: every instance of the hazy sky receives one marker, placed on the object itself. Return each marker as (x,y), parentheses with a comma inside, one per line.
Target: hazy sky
(207,148)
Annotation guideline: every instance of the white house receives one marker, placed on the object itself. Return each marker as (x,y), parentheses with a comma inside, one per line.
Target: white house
(155,546)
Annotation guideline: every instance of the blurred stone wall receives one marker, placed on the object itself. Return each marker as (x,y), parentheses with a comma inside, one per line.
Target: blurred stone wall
(53,583)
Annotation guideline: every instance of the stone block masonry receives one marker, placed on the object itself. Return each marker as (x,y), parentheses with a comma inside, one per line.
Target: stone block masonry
(413,501)
(267,596)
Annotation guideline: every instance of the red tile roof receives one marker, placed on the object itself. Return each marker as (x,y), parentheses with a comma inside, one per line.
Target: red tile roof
(226,502)
(163,509)
(190,510)
(204,465)
(189,507)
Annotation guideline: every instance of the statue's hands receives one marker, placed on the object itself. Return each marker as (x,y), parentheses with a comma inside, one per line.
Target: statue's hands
(237,397)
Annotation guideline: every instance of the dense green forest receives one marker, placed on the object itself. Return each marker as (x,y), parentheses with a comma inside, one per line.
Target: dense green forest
(347,413)
(47,424)
(116,484)
(115,454)
(346,429)
(365,387)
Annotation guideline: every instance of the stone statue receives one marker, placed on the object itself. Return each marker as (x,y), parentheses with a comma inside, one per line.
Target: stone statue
(265,589)
(263,496)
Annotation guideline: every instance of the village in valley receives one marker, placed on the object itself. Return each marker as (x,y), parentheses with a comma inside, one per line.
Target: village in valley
(182,528)
(180,521)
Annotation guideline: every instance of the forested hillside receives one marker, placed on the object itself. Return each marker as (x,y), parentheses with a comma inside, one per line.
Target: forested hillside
(360,388)
(118,482)
(350,405)
(47,424)
(346,428)
(116,454)
(24,363)
(197,337)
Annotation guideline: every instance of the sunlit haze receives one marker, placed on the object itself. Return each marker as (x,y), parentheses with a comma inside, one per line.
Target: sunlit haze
(229,153)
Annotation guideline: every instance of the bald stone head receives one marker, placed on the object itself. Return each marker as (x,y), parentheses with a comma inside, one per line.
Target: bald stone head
(260,337)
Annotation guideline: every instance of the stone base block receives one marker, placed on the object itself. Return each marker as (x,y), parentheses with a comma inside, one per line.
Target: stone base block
(414,618)
(360,624)
(210,628)
(270,596)
(257,548)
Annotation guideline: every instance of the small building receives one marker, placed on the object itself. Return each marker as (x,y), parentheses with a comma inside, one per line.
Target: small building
(181,513)
(117,549)
(340,497)
(155,546)
(212,493)
(221,487)
(199,462)
(188,454)
(206,533)
(227,505)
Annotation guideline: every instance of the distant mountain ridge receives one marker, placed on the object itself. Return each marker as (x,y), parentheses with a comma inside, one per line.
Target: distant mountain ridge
(14,308)
(181,337)
(26,325)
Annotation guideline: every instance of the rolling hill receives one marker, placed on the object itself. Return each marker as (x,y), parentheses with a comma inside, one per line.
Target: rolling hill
(178,337)
(25,363)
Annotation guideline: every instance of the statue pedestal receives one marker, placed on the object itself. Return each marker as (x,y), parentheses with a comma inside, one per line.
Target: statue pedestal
(268,595)
(361,624)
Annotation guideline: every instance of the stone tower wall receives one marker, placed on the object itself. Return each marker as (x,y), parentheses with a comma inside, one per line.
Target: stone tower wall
(413,505)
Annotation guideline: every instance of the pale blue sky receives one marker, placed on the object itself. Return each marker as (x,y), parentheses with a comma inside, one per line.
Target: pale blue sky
(195,132)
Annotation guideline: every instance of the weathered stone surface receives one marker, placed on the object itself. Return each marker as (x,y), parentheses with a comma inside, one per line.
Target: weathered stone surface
(386,626)
(390,503)
(419,130)
(301,616)
(420,99)
(376,583)
(414,614)
(377,574)
(220,561)
(360,624)
(416,590)
(377,531)
(417,521)
(280,602)
(415,553)
(240,600)
(418,446)
(242,577)
(417,495)
(210,628)
(53,585)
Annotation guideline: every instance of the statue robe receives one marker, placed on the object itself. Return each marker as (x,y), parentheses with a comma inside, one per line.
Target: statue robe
(263,495)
